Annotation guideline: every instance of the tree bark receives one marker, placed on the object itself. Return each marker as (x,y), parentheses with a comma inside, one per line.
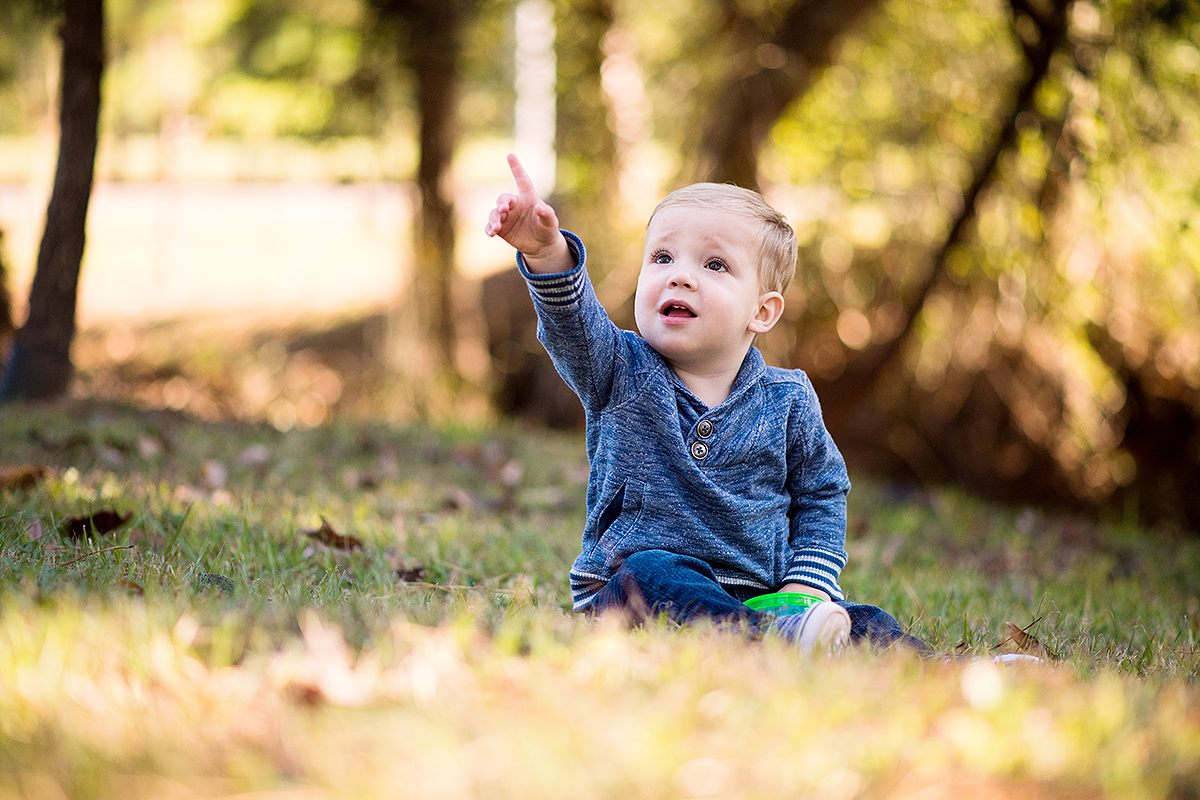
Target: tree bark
(777,70)
(7,326)
(40,363)
(585,139)
(427,36)
(434,61)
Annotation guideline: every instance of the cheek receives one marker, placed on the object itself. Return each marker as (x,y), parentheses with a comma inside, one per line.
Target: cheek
(644,294)
(641,306)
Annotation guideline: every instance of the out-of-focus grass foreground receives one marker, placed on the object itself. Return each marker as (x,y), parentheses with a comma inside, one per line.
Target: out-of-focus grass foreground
(218,609)
(297,519)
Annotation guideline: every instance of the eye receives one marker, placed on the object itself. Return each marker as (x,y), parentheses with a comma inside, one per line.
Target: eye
(716,265)
(661,257)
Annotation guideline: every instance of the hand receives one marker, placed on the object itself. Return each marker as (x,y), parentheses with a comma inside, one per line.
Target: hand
(530,225)
(804,589)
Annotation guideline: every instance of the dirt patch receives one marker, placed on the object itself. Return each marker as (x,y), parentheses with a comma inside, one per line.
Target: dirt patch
(296,374)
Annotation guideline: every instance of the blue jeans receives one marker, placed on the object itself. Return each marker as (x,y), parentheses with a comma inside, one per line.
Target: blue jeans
(654,582)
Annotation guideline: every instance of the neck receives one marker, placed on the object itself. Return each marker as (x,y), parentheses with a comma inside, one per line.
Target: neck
(712,388)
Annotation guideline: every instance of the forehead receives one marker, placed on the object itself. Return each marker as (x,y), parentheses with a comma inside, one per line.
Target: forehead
(702,226)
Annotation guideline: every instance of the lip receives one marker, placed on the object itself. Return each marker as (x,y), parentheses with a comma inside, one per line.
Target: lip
(669,304)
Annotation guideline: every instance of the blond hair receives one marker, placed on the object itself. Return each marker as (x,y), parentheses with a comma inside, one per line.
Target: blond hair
(776,239)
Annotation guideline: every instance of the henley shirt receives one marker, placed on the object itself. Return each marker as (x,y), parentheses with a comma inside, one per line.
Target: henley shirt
(755,486)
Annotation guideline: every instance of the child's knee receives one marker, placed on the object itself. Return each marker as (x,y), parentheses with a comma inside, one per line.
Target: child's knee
(649,560)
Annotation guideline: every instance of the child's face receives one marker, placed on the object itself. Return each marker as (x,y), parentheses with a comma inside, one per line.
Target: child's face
(699,302)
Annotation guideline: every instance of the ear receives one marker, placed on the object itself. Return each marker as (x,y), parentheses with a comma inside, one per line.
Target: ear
(770,309)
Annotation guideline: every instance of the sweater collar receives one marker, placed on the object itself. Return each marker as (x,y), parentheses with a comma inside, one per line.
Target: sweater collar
(753,366)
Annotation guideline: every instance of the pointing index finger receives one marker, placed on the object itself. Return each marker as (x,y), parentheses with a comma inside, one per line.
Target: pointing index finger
(524,182)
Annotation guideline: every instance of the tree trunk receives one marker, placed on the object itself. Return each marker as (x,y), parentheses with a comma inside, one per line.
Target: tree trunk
(426,33)
(434,62)
(40,363)
(777,70)
(857,382)
(585,140)
(7,326)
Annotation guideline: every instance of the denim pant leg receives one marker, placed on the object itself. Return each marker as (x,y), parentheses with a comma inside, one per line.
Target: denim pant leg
(653,582)
(872,625)
(685,589)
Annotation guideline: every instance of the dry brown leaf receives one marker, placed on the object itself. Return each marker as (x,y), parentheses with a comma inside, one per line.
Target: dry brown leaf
(1019,640)
(21,476)
(214,474)
(97,524)
(132,587)
(411,574)
(327,536)
(33,530)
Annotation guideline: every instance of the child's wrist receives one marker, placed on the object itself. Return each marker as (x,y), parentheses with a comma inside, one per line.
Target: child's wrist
(805,589)
(554,258)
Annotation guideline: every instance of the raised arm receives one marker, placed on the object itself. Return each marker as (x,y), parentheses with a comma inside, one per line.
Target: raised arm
(530,225)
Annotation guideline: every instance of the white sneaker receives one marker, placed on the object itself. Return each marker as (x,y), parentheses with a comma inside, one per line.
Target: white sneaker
(1006,659)
(1017,658)
(824,627)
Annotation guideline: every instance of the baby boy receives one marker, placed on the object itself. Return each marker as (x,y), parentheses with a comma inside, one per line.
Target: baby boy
(713,479)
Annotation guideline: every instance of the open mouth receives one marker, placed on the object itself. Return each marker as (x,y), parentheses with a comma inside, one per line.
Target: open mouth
(675,310)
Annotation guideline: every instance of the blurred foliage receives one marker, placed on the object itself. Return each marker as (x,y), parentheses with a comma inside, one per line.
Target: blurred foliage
(229,68)
(1074,296)
(26,76)
(1090,223)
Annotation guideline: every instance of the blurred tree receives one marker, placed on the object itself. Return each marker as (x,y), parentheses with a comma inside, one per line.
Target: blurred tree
(24,28)
(586,198)
(39,364)
(587,153)
(429,36)
(276,68)
(999,276)
(7,326)
(1043,34)
(779,54)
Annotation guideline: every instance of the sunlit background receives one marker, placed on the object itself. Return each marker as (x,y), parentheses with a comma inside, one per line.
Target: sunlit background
(994,289)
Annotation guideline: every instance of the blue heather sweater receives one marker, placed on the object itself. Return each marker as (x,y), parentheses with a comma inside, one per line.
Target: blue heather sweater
(755,487)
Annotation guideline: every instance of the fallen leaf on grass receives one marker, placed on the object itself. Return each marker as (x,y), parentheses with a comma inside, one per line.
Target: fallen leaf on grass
(460,500)
(327,536)
(21,476)
(256,455)
(325,672)
(149,447)
(214,474)
(33,530)
(1019,640)
(413,574)
(97,524)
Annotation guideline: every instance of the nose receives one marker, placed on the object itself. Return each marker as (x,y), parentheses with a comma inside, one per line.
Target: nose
(680,278)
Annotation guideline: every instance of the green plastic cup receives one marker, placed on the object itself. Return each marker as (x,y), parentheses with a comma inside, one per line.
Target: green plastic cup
(782,602)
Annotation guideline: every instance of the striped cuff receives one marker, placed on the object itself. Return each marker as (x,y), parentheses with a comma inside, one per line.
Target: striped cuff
(584,588)
(561,289)
(818,568)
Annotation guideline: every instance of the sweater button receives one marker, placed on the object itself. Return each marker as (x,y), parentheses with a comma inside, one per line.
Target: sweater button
(699,451)
(704,429)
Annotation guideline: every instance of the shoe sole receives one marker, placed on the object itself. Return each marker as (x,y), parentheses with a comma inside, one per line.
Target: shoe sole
(824,627)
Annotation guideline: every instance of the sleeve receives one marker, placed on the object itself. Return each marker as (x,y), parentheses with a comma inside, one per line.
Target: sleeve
(818,484)
(574,327)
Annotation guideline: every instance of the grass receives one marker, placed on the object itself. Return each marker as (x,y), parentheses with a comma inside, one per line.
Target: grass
(211,646)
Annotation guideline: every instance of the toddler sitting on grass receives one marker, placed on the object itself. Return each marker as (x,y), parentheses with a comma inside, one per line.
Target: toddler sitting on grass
(713,479)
